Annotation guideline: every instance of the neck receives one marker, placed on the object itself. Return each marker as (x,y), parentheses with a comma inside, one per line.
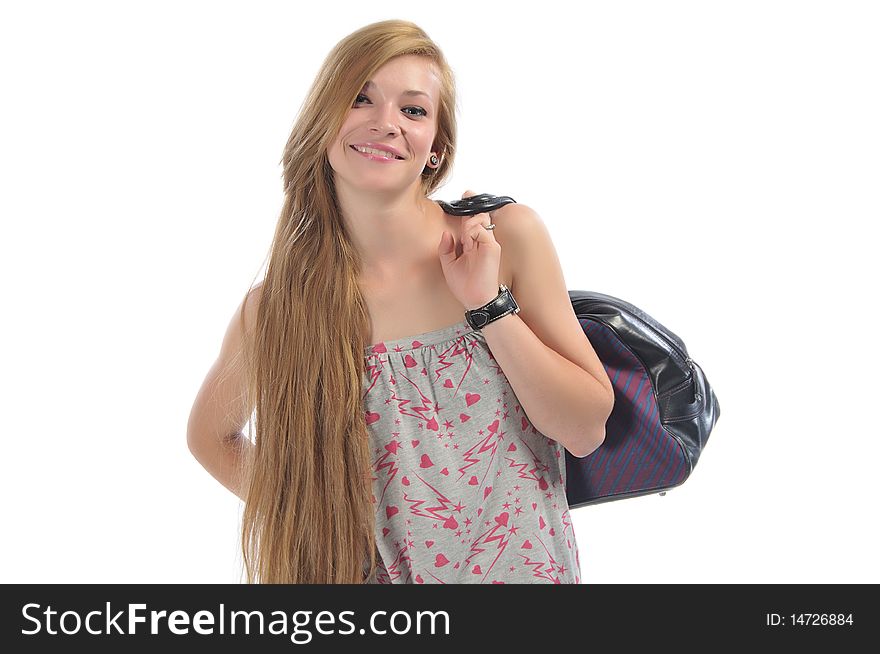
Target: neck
(393,232)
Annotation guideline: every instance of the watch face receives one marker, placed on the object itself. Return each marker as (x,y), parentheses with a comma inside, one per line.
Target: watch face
(476,321)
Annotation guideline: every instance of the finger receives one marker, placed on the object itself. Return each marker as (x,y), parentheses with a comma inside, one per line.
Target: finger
(468,193)
(476,235)
(480,220)
(467,234)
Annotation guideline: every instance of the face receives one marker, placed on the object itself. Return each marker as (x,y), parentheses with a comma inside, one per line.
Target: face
(396,113)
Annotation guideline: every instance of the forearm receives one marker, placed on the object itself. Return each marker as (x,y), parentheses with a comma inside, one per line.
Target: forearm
(223,459)
(562,400)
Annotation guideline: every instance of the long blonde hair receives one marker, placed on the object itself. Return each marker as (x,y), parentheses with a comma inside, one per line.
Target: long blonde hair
(309,514)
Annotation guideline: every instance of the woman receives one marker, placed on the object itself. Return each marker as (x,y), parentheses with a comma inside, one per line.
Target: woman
(394,441)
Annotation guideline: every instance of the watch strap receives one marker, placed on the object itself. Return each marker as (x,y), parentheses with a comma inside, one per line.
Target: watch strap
(502,305)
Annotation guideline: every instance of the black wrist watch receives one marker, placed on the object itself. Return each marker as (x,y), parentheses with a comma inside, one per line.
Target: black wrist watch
(502,305)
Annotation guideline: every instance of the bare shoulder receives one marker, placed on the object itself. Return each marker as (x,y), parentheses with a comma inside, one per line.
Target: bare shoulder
(220,407)
(513,218)
(237,330)
(251,304)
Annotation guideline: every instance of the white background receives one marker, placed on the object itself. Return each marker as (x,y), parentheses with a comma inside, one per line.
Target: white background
(714,163)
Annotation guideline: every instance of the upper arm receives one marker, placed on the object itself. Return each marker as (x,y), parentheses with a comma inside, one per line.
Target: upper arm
(220,409)
(540,290)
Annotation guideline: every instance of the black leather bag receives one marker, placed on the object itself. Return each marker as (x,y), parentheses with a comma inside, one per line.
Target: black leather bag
(664,407)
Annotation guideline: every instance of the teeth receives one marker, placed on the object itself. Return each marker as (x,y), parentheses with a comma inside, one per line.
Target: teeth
(381,153)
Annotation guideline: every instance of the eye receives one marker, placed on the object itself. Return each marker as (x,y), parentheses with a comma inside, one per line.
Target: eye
(419,110)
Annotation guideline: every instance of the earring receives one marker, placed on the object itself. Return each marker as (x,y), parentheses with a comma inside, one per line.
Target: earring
(434,159)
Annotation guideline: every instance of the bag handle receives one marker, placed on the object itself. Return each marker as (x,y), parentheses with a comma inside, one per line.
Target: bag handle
(475,204)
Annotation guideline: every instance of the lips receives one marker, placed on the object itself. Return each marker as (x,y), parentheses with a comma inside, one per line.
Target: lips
(377,146)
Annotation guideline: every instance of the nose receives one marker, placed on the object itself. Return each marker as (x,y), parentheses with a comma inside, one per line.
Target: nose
(385,120)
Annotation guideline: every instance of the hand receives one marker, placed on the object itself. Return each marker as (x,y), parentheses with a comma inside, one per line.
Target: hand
(471,260)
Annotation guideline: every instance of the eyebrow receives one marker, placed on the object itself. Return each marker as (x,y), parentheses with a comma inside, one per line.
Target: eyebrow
(408,92)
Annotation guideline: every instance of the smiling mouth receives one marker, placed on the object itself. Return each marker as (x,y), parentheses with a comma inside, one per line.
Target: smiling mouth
(375,152)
